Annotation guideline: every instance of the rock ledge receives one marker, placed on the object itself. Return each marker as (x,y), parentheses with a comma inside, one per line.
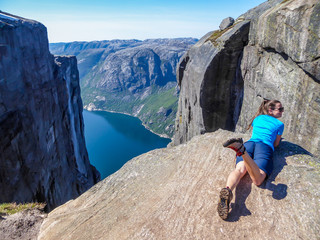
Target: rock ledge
(172,193)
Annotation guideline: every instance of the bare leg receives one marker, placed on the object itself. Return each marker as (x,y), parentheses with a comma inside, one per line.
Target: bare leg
(256,174)
(236,175)
(226,193)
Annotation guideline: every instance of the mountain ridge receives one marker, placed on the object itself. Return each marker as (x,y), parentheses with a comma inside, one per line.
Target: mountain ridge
(126,75)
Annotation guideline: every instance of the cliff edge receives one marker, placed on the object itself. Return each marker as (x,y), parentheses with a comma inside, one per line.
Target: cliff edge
(43,153)
(172,193)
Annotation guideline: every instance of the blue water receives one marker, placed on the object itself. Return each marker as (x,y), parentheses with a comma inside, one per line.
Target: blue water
(112,139)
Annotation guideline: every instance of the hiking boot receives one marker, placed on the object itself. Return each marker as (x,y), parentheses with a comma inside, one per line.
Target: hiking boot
(235,144)
(224,202)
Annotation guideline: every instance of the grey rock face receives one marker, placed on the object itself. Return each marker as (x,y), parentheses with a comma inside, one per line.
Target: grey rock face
(227,22)
(279,59)
(43,154)
(209,83)
(172,193)
(282,62)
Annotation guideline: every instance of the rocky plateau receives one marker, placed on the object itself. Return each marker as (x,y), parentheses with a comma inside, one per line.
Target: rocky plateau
(172,193)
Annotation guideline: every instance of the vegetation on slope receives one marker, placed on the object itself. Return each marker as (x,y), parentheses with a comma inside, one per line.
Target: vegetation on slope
(156,110)
(123,75)
(12,208)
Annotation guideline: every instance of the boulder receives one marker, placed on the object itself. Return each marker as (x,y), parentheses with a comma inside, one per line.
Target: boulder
(227,22)
(172,193)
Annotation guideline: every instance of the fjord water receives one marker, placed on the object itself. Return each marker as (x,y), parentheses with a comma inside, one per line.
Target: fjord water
(112,139)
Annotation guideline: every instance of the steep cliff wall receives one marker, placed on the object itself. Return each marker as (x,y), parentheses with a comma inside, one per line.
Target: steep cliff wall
(43,154)
(277,57)
(206,103)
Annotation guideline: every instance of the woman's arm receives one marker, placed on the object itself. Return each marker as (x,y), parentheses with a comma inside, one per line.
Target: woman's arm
(277,141)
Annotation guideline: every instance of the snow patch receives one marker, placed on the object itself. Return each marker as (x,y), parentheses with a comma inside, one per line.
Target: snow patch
(100,98)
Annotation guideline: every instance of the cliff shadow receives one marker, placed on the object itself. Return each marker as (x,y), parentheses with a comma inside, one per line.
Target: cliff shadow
(239,208)
(221,108)
(285,149)
(279,190)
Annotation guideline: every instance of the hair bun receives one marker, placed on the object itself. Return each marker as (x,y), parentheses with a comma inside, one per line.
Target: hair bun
(265,100)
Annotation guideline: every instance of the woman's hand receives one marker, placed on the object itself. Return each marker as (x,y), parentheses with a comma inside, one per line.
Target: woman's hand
(277,141)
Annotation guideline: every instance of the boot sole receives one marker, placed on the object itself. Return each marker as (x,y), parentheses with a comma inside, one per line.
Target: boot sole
(232,140)
(223,205)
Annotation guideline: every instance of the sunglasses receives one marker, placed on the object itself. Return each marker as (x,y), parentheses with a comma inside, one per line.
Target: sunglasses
(280,109)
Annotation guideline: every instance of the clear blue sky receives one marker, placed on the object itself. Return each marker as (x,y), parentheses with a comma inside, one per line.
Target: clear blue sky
(88,20)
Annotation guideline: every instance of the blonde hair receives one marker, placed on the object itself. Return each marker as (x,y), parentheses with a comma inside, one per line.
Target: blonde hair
(264,109)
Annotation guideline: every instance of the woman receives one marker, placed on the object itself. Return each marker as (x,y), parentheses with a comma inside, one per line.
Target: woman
(254,156)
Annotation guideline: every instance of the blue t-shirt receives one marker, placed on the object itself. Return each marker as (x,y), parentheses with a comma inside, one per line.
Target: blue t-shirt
(265,129)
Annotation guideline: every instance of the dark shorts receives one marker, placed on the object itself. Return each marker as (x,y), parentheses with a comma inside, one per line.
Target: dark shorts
(261,153)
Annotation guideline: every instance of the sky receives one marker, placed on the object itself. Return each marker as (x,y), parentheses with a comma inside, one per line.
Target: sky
(90,20)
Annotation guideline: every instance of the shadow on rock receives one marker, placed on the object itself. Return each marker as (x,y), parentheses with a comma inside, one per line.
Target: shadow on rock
(285,149)
(279,191)
(239,208)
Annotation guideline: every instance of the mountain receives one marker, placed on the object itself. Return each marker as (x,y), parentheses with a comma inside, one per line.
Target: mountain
(43,153)
(130,76)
